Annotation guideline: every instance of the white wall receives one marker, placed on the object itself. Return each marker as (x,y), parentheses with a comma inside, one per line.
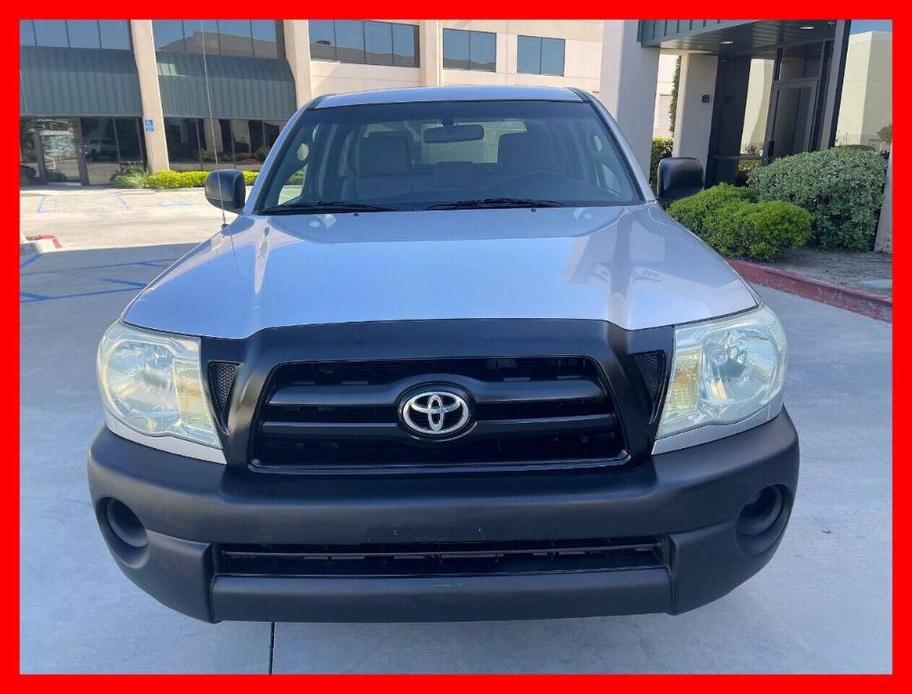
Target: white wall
(694,115)
(662,119)
(582,58)
(867,89)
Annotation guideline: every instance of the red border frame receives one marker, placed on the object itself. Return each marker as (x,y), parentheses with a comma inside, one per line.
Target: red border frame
(582,9)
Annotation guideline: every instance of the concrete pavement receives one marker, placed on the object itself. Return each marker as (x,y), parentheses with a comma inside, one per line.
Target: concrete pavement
(822,605)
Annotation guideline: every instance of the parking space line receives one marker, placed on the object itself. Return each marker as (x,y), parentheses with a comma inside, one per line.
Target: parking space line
(29,261)
(164,262)
(129,283)
(41,204)
(30,298)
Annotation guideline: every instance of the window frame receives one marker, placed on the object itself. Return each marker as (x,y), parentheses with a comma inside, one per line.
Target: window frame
(471,33)
(334,47)
(32,30)
(279,38)
(541,45)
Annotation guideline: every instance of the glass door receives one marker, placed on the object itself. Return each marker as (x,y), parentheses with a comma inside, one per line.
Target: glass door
(59,140)
(791,123)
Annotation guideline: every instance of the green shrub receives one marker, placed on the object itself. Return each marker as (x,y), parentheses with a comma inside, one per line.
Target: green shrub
(138,178)
(757,230)
(841,187)
(131,178)
(661,149)
(693,211)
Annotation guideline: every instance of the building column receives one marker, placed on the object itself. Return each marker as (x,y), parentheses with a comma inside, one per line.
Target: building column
(629,79)
(297,53)
(833,85)
(884,240)
(429,42)
(150,94)
(693,118)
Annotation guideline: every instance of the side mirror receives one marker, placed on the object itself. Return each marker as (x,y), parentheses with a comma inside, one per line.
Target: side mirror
(676,178)
(225,190)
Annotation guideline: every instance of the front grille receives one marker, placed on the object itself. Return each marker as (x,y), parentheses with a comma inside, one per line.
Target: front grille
(315,416)
(440,559)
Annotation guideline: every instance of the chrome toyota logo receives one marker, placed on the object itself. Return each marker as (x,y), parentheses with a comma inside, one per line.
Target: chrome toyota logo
(435,413)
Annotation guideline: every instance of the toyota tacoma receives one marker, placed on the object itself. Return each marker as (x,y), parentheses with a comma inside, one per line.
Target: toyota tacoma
(451,361)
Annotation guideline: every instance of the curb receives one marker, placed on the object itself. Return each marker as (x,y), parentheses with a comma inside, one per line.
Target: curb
(855,300)
(42,243)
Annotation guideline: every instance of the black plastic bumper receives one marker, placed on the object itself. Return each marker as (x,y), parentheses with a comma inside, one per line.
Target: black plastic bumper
(690,500)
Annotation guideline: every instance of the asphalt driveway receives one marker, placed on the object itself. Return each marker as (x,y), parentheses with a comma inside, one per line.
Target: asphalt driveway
(822,604)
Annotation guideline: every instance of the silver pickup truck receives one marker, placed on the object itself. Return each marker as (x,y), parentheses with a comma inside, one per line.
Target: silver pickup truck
(451,361)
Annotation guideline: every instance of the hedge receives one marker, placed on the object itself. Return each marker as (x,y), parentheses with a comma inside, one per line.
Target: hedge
(727,220)
(841,187)
(139,178)
(693,211)
(661,149)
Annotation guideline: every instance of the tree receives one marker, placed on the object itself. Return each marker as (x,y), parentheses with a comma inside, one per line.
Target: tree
(673,107)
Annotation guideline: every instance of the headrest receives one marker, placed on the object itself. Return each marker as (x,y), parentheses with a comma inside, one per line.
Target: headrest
(384,155)
(526,151)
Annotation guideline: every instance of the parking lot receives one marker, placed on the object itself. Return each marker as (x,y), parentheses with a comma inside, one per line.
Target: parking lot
(822,604)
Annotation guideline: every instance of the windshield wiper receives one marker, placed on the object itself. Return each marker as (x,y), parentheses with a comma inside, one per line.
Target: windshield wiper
(317,206)
(481,203)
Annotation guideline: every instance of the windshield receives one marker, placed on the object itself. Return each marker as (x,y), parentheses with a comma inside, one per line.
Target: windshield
(448,155)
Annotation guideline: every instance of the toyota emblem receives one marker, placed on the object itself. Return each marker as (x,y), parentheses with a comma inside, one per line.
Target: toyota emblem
(435,413)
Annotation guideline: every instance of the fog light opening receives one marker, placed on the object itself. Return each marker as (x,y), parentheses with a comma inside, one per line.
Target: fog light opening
(125,533)
(763,519)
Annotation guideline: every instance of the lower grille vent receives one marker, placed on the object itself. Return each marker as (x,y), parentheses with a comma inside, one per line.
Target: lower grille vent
(439,559)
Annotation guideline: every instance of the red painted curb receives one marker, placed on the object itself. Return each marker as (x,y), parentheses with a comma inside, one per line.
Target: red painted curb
(856,300)
(42,237)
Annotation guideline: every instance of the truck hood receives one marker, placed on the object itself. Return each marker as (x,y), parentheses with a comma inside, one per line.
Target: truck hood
(632,266)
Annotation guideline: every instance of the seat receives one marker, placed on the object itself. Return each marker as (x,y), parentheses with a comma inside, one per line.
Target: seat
(383,168)
(532,150)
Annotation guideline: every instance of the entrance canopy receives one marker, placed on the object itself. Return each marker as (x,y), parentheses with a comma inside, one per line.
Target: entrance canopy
(732,37)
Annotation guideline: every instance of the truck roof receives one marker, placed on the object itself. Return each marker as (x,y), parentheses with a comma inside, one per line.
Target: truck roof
(454,93)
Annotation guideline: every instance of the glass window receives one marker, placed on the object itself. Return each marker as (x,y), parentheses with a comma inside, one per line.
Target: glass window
(115,33)
(378,43)
(51,32)
(552,57)
(540,56)
(432,154)
(83,33)
(374,43)
(528,55)
(456,49)
(482,51)
(183,141)
(129,141)
(265,38)
(469,50)
(235,37)
(322,39)
(26,32)
(350,41)
(169,35)
(405,45)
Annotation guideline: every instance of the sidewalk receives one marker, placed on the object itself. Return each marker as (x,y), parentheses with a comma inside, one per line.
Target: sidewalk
(856,281)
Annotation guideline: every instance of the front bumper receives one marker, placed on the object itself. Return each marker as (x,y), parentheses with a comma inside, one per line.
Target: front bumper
(688,501)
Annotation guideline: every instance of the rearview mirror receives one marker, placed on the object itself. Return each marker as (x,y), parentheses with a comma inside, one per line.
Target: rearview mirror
(225,190)
(678,177)
(453,133)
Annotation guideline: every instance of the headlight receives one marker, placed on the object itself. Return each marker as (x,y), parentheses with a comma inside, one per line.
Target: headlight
(151,382)
(724,371)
